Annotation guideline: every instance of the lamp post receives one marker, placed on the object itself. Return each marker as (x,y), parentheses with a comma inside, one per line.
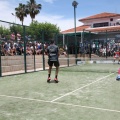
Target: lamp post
(74,4)
(15,16)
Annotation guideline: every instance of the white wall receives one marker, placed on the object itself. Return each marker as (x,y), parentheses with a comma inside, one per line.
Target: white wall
(101,20)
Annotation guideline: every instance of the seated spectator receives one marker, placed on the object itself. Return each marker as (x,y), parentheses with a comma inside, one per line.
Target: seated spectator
(38,48)
(28,50)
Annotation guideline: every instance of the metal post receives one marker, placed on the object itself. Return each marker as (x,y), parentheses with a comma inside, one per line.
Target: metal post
(34,57)
(25,66)
(106,44)
(74,4)
(89,46)
(56,38)
(43,50)
(83,44)
(75,34)
(68,62)
(63,40)
(81,37)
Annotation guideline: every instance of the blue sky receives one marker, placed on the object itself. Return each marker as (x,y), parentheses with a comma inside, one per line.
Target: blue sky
(60,12)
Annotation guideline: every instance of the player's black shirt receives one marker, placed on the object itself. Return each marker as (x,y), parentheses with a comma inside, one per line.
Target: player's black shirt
(52,51)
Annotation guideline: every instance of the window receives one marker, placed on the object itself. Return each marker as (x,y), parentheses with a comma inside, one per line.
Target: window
(101,24)
(111,19)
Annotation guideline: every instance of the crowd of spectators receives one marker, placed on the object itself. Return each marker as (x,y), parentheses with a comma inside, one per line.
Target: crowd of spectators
(15,46)
(100,48)
(11,48)
(107,49)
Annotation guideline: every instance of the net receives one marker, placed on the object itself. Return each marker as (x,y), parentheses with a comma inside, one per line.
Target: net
(88,66)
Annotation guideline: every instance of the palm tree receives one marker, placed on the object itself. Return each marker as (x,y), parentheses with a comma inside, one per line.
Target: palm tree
(21,12)
(33,8)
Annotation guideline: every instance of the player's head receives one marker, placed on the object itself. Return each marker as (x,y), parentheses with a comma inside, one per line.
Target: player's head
(51,41)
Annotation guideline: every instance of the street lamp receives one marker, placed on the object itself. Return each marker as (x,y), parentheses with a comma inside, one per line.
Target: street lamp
(15,16)
(74,4)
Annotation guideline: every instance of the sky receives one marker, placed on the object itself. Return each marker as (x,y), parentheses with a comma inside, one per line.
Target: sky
(59,12)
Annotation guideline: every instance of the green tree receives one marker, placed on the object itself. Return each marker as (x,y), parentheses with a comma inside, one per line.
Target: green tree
(21,12)
(1,30)
(33,8)
(16,28)
(36,29)
(4,32)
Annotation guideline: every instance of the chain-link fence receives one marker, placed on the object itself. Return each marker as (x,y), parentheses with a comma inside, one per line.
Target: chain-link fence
(23,51)
(102,44)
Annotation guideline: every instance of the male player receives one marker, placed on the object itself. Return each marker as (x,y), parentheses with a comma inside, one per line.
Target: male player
(53,54)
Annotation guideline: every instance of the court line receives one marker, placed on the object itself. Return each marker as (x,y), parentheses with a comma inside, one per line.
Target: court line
(81,88)
(59,103)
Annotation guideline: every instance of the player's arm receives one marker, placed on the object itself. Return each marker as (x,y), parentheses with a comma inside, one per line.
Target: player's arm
(47,51)
(58,52)
(65,54)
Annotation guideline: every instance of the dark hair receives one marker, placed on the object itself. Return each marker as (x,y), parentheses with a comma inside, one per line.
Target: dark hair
(51,41)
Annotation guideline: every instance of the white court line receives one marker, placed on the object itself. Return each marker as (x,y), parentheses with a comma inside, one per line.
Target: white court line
(58,103)
(81,88)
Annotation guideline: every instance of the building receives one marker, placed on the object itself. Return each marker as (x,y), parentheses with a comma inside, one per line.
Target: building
(102,26)
(100,30)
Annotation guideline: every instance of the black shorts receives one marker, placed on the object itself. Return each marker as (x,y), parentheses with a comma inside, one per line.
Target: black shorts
(56,63)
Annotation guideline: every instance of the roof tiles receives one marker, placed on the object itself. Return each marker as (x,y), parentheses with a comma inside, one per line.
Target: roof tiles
(78,29)
(101,15)
(99,29)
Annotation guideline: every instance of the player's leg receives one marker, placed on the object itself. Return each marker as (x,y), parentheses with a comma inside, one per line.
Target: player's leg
(56,63)
(50,63)
(118,60)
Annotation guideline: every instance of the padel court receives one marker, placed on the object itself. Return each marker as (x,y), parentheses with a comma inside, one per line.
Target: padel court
(84,92)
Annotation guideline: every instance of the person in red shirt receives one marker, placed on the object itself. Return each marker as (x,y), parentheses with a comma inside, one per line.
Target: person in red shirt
(117,56)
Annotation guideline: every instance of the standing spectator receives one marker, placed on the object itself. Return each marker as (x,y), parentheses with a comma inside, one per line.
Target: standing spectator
(93,48)
(12,36)
(117,56)
(53,54)
(104,51)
